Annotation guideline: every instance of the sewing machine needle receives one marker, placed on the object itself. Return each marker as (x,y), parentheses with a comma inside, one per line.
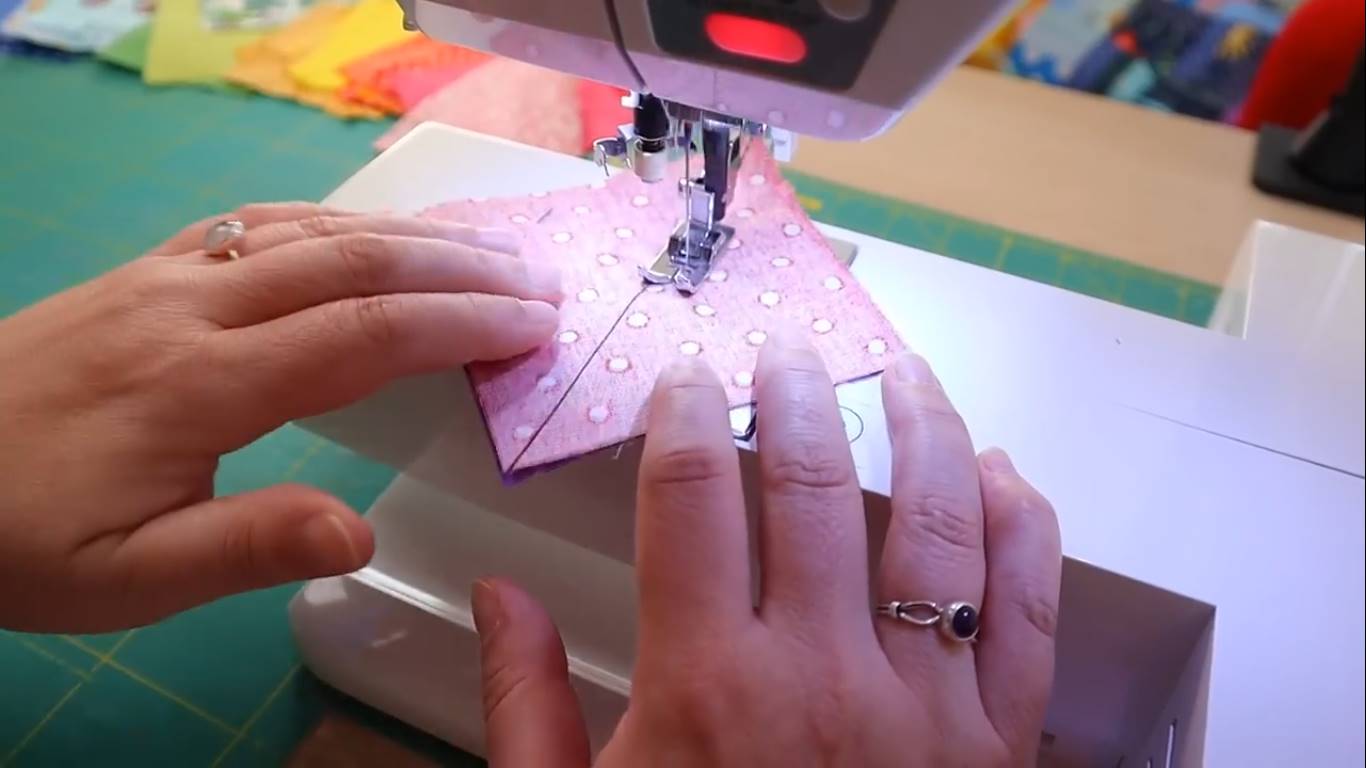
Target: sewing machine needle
(687,192)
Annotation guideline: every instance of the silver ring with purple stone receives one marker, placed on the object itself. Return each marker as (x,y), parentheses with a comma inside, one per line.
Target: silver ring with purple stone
(958,621)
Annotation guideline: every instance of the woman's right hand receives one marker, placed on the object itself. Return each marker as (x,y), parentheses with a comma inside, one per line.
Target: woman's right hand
(809,676)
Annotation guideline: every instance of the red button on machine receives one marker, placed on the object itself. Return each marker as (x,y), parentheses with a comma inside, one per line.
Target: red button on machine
(755,38)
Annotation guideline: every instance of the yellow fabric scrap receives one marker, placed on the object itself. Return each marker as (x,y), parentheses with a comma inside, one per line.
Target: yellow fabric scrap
(369,26)
(263,66)
(183,50)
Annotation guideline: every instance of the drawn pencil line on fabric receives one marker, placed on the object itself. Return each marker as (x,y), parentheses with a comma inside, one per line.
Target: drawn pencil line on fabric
(512,467)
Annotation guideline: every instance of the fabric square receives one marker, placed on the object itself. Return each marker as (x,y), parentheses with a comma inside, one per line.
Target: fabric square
(10,13)
(263,65)
(589,388)
(370,26)
(503,98)
(78,26)
(370,80)
(129,51)
(515,101)
(411,86)
(182,51)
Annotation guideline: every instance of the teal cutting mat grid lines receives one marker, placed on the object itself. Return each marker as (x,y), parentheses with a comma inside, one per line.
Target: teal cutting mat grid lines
(94,169)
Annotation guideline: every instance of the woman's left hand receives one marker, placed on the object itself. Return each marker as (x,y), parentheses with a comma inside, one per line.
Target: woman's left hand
(119,396)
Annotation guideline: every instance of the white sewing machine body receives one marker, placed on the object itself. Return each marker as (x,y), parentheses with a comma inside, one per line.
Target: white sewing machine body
(839,69)
(1208,484)
(709,76)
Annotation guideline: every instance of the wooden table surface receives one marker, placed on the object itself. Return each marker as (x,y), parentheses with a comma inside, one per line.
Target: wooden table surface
(1164,191)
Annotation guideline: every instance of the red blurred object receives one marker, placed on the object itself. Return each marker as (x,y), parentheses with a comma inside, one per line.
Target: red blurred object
(600,110)
(755,38)
(1307,65)
(1126,42)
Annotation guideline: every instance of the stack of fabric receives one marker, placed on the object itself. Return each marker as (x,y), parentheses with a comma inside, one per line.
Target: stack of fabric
(353,60)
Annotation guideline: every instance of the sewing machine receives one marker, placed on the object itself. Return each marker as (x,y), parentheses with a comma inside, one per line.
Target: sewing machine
(708,77)
(1203,477)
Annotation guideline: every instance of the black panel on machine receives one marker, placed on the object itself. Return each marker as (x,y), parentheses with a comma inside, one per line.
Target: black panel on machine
(833,51)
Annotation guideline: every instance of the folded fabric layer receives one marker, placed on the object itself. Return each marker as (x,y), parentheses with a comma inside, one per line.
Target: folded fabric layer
(263,66)
(370,80)
(588,389)
(370,26)
(411,86)
(508,99)
(129,51)
(78,26)
(183,51)
(520,102)
(16,46)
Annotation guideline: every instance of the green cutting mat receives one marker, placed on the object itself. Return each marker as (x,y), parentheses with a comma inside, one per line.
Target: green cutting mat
(95,168)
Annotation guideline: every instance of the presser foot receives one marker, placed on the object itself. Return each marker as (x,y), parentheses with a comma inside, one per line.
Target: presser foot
(687,260)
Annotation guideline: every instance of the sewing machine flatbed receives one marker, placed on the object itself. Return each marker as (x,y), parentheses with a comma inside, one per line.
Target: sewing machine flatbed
(1208,484)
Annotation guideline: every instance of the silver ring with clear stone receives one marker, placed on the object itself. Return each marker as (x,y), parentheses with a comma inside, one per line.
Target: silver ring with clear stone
(222,236)
(958,621)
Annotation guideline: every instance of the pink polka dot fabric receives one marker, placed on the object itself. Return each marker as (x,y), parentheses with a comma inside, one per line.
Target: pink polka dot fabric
(589,388)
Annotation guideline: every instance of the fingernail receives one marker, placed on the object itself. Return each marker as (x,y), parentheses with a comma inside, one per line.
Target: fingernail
(456,232)
(331,543)
(540,317)
(545,280)
(998,460)
(486,607)
(915,369)
(687,370)
(483,238)
(492,239)
(783,336)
